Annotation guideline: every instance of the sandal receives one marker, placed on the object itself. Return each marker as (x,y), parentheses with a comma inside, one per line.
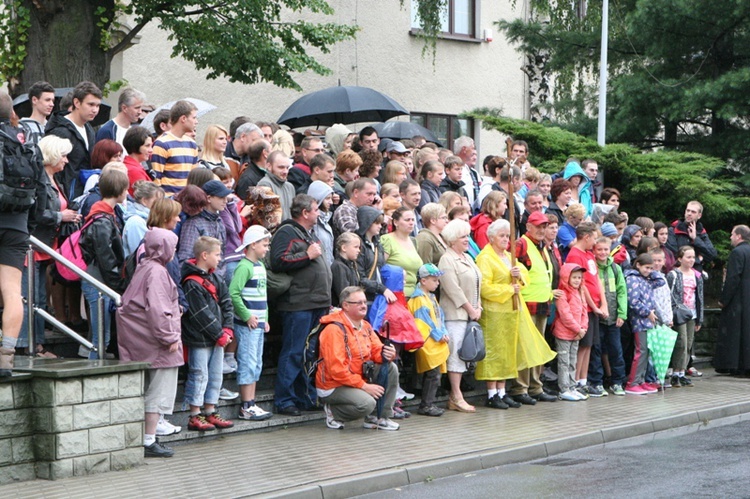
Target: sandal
(460,405)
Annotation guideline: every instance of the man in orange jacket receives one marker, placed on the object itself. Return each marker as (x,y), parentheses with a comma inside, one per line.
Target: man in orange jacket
(347,344)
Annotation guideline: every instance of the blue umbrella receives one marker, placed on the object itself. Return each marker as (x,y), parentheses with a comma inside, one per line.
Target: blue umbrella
(345,104)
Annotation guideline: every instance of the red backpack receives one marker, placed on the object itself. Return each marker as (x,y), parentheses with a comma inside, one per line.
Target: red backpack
(71,249)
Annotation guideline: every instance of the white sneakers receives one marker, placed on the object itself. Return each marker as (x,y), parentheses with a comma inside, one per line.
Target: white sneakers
(225,394)
(164,427)
(332,422)
(254,413)
(572,395)
(373,423)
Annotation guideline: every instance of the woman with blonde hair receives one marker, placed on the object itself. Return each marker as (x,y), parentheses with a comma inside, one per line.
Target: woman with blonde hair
(214,145)
(283,141)
(450,199)
(395,172)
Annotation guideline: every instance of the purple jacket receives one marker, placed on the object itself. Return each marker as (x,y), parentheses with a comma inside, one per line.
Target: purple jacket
(149,319)
(230,216)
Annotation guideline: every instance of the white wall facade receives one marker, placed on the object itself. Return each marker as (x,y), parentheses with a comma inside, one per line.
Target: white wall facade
(384,56)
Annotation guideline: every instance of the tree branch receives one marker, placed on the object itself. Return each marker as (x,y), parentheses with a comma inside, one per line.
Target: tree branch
(123,44)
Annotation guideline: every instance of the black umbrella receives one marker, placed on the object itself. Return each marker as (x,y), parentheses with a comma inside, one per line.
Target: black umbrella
(398,130)
(22,106)
(382,378)
(341,105)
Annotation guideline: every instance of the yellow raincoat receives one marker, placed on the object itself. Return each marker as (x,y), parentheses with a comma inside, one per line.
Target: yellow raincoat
(511,339)
(431,323)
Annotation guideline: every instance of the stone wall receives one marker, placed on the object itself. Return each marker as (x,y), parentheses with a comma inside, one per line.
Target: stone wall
(56,424)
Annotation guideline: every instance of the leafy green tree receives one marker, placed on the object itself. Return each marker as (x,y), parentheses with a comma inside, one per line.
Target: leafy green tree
(678,70)
(248,41)
(655,184)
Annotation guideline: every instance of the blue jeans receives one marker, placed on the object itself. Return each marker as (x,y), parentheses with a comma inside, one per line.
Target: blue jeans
(595,374)
(91,294)
(249,353)
(40,301)
(292,385)
(612,348)
(229,269)
(204,375)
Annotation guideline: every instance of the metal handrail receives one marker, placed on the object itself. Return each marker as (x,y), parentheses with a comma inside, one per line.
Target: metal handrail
(103,288)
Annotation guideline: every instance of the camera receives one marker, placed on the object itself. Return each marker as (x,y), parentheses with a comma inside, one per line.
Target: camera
(368,371)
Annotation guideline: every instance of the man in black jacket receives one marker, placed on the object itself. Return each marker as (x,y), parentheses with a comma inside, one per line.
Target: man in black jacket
(16,223)
(690,232)
(75,127)
(296,251)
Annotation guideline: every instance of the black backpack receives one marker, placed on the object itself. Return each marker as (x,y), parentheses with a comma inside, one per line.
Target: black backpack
(311,353)
(20,167)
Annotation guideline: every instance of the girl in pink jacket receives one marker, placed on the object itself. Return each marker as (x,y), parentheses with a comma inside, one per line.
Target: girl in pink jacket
(571,322)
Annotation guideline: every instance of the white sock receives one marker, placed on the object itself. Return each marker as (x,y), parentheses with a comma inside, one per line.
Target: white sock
(491,392)
(582,382)
(681,374)
(149,440)
(501,392)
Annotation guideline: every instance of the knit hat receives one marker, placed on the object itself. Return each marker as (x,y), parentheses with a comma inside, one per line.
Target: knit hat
(609,229)
(319,190)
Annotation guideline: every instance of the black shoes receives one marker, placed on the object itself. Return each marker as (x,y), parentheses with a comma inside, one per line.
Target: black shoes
(430,410)
(290,410)
(510,402)
(544,397)
(524,399)
(157,450)
(496,402)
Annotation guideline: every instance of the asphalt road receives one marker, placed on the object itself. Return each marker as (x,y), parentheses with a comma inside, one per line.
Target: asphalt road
(686,462)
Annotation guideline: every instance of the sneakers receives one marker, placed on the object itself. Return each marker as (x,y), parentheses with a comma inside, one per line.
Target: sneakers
(636,390)
(164,427)
(651,387)
(215,419)
(157,450)
(601,389)
(617,390)
(694,372)
(684,381)
(592,391)
(496,402)
(332,422)
(373,423)
(199,423)
(667,382)
(570,395)
(225,394)
(228,367)
(254,413)
(581,390)
(430,410)
(403,395)
(510,402)
(6,361)
(399,413)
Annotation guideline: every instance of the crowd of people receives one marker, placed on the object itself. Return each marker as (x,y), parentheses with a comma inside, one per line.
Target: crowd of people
(209,245)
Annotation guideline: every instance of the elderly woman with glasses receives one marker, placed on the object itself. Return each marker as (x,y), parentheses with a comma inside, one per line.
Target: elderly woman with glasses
(459,296)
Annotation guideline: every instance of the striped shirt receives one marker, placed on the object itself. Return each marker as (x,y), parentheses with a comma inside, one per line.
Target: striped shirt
(248,292)
(171,160)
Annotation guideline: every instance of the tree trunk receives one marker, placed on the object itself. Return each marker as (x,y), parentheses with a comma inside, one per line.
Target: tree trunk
(64,44)
(670,134)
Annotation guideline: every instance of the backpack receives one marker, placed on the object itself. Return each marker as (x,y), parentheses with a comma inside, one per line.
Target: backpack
(130,264)
(20,167)
(311,353)
(71,249)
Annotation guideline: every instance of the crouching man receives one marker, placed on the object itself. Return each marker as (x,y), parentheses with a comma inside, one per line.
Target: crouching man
(347,381)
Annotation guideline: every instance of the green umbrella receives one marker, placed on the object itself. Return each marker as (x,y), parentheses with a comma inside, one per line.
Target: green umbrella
(661,342)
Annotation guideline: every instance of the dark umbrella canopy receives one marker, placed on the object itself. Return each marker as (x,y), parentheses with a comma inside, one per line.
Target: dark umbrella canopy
(346,104)
(398,130)
(382,378)
(22,106)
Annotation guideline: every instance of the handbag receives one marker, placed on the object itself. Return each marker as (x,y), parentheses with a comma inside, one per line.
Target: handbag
(680,313)
(472,349)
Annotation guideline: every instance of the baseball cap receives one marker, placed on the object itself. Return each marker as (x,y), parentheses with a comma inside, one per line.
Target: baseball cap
(216,188)
(429,269)
(538,218)
(396,146)
(253,234)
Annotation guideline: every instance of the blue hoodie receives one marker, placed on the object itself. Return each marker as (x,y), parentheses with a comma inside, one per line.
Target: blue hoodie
(584,188)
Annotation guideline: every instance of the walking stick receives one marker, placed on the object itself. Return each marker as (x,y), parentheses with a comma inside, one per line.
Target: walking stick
(512,217)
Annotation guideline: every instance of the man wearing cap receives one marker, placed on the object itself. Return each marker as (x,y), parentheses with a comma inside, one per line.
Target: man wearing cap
(206,223)
(532,203)
(323,194)
(364,191)
(276,178)
(534,255)
(296,251)
(396,151)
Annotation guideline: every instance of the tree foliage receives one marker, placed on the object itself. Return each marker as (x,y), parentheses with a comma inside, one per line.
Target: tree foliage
(654,184)
(678,70)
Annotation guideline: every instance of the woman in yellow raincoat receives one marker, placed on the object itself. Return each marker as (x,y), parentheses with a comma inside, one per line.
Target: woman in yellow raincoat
(430,321)
(511,340)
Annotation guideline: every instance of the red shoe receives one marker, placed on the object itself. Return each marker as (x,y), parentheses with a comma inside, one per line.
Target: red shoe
(219,422)
(636,390)
(199,423)
(651,387)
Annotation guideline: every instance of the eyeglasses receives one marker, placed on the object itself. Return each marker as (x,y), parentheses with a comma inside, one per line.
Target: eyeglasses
(358,303)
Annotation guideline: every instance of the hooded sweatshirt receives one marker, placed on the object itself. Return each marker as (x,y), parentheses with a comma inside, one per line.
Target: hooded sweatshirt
(335,137)
(573,169)
(627,236)
(371,254)
(615,291)
(149,320)
(571,316)
(479,225)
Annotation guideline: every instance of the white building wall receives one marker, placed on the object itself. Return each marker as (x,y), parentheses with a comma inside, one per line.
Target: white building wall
(384,56)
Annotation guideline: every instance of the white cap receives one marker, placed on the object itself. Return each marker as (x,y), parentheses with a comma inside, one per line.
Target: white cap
(253,234)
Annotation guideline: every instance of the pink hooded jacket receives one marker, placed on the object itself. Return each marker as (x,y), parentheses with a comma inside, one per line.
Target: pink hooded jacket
(571,316)
(149,320)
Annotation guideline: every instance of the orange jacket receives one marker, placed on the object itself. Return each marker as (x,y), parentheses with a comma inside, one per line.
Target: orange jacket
(336,367)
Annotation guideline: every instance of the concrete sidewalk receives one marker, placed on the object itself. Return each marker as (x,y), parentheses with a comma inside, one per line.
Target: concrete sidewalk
(313,461)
